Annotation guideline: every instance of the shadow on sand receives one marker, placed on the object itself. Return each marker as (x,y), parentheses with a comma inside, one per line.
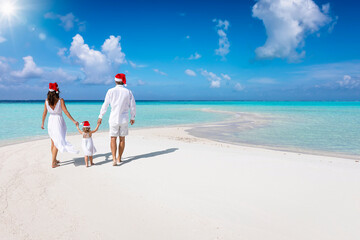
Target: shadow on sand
(108,158)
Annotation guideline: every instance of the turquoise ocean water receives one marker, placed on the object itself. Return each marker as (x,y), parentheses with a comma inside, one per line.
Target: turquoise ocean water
(332,127)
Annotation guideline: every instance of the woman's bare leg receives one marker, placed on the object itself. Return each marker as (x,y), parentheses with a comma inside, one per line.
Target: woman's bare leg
(91,160)
(54,152)
(52,148)
(86,161)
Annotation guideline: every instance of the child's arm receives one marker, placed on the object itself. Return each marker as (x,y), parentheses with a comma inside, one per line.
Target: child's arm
(97,127)
(77,126)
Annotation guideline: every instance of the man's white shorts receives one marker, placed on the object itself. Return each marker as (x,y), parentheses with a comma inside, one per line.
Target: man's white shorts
(119,130)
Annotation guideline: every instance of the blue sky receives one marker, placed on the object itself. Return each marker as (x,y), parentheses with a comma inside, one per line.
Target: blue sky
(181,50)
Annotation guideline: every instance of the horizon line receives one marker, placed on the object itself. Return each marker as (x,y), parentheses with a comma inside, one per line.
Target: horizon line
(142,100)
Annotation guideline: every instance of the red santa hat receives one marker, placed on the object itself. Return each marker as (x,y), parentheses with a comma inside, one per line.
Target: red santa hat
(86,124)
(53,87)
(120,77)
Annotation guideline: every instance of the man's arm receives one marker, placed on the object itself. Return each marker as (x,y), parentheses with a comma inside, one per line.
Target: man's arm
(104,107)
(132,108)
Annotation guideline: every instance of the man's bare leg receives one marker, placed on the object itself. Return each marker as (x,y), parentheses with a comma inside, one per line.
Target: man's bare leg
(121,148)
(113,149)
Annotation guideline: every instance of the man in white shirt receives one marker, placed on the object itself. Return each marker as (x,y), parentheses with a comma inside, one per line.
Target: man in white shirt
(121,101)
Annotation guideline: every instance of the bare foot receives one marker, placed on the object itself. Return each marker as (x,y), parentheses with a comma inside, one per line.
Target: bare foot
(57,161)
(114,163)
(56,165)
(118,160)
(91,163)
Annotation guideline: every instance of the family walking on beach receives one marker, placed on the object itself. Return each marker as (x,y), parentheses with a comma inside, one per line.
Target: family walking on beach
(121,101)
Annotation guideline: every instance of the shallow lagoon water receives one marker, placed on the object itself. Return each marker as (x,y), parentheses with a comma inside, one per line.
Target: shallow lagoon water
(319,126)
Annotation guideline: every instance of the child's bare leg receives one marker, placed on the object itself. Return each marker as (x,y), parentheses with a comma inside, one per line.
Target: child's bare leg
(54,152)
(91,160)
(121,148)
(86,161)
(52,147)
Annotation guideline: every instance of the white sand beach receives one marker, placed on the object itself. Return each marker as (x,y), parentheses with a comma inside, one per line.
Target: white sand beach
(175,186)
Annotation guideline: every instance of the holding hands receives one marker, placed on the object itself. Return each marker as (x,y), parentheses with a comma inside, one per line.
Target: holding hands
(75,122)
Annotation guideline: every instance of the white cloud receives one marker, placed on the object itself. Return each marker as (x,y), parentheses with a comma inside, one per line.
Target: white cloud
(140,83)
(134,65)
(4,69)
(194,56)
(160,72)
(333,23)
(3,64)
(67,21)
(225,76)
(42,36)
(190,72)
(2,39)
(327,72)
(98,66)
(215,84)
(287,23)
(263,80)
(224,44)
(112,49)
(81,26)
(326,8)
(212,78)
(30,69)
(238,87)
(62,52)
(349,83)
(59,75)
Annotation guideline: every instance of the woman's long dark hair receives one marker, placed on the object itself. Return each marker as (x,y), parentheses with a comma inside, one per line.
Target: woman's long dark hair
(53,97)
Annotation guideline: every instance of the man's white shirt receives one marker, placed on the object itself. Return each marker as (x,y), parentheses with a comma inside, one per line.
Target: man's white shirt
(121,101)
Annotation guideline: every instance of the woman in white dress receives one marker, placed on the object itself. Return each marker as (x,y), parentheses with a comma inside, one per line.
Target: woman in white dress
(56,124)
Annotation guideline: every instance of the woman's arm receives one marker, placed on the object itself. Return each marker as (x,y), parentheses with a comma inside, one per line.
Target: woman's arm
(67,112)
(97,127)
(44,116)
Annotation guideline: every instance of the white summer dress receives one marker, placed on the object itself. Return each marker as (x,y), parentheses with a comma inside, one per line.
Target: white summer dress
(88,145)
(57,128)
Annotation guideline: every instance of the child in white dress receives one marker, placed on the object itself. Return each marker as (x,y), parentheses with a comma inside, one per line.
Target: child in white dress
(87,142)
